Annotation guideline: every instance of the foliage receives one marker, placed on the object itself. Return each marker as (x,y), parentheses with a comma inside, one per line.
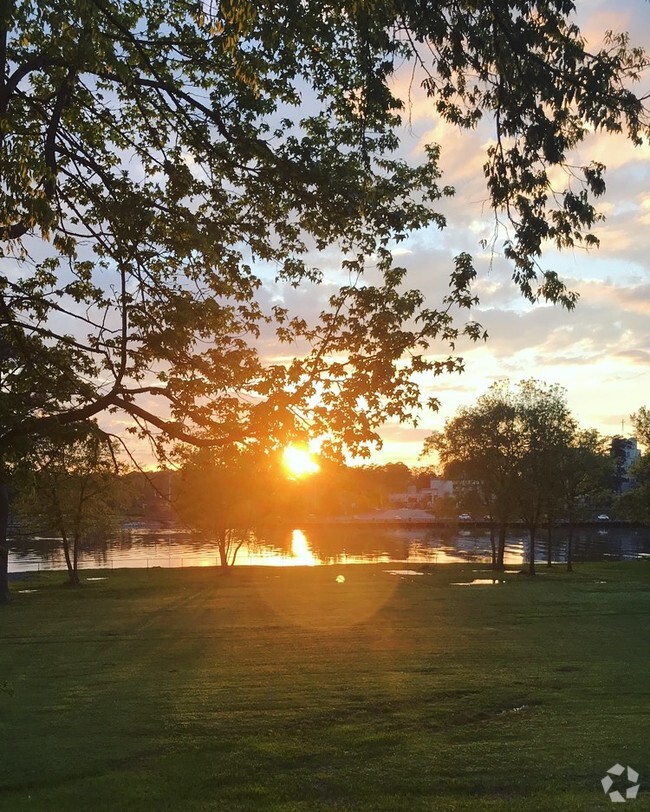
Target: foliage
(147,495)
(641,423)
(168,171)
(546,429)
(479,449)
(68,484)
(160,164)
(584,473)
(225,496)
(338,487)
(635,503)
(506,449)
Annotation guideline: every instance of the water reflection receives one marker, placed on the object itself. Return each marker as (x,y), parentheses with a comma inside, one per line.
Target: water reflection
(300,552)
(479,582)
(317,545)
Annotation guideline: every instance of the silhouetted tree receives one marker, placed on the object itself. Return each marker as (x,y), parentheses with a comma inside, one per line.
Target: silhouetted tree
(157,158)
(583,471)
(226,496)
(70,485)
(506,448)
(479,449)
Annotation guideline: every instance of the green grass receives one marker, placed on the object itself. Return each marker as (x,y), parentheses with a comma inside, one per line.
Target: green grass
(283,689)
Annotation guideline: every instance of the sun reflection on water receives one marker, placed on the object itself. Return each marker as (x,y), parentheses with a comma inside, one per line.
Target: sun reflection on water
(277,546)
(300,554)
(300,551)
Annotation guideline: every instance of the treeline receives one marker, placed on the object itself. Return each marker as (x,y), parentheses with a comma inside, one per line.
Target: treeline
(518,454)
(74,484)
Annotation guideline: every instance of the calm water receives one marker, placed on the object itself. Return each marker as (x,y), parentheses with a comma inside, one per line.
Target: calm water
(312,546)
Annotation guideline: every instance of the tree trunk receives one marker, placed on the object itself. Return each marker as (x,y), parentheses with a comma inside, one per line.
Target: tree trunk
(501,551)
(5,595)
(222,544)
(531,563)
(569,549)
(223,556)
(493,546)
(73,577)
(549,543)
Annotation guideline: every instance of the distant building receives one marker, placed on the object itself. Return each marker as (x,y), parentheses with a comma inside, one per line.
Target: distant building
(424,497)
(625,453)
(411,498)
(441,487)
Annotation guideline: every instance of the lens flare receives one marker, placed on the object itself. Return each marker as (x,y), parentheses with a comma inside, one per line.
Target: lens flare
(298,462)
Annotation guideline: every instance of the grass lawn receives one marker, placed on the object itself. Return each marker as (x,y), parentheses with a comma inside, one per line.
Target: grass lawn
(286,689)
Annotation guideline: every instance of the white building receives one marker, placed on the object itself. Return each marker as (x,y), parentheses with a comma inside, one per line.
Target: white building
(425,497)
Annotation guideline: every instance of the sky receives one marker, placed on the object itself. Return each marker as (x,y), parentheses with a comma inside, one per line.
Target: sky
(600,351)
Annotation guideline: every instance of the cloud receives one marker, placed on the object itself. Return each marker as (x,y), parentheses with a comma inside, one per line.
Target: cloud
(600,351)
(641,357)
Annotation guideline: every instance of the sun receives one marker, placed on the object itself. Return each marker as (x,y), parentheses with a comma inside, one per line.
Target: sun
(298,461)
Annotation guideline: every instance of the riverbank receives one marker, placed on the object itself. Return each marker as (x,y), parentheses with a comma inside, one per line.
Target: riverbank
(309,688)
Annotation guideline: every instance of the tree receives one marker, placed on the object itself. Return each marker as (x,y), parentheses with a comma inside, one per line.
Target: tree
(635,503)
(584,466)
(506,448)
(225,496)
(159,165)
(480,447)
(641,423)
(546,428)
(70,486)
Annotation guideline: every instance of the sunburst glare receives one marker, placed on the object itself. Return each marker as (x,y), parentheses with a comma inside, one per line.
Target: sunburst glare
(298,462)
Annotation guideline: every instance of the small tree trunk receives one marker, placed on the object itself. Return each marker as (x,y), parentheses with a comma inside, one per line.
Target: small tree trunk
(73,577)
(66,553)
(5,595)
(569,549)
(75,559)
(501,552)
(549,547)
(234,555)
(223,556)
(222,544)
(493,546)
(531,563)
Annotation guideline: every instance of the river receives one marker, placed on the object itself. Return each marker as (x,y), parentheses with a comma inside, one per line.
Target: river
(327,544)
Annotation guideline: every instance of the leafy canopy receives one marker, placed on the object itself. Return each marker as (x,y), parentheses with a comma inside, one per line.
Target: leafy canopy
(68,484)
(510,446)
(641,423)
(161,164)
